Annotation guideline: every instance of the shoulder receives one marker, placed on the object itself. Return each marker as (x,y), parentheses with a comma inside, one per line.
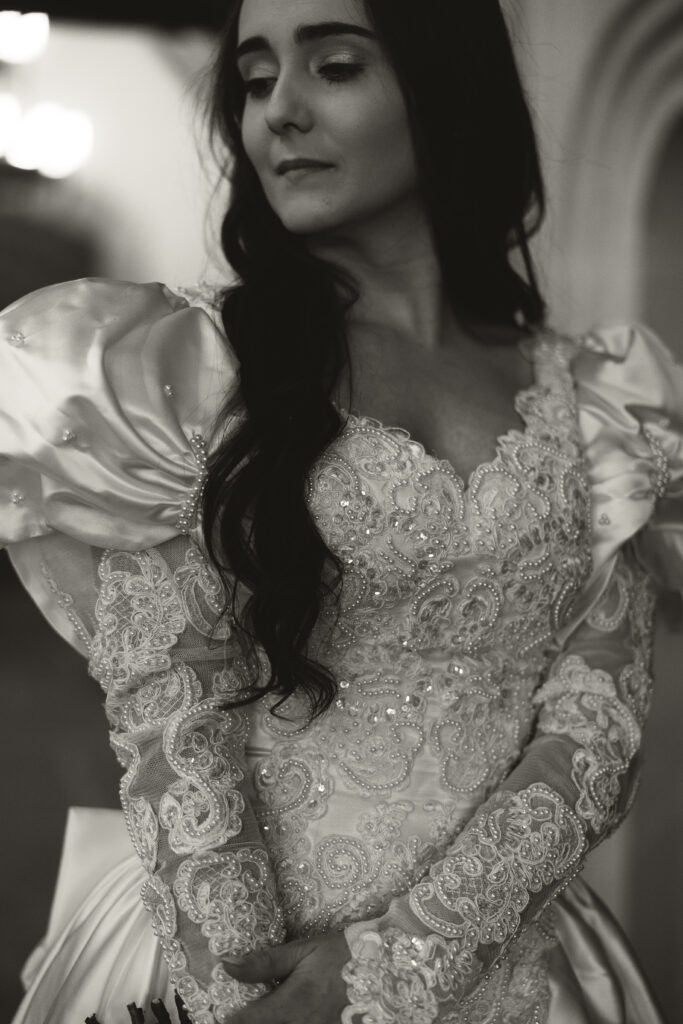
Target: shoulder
(629,389)
(629,395)
(109,394)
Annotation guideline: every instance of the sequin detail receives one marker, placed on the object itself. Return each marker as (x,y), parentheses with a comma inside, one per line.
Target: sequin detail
(516,846)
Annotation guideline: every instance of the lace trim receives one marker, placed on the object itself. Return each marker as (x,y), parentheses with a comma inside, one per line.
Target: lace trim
(164,715)
(232,896)
(517,845)
(584,704)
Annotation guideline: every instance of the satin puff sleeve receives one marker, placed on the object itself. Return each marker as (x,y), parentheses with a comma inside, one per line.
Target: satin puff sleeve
(629,391)
(108,393)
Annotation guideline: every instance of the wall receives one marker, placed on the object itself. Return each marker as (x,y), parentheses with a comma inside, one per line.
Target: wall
(145,190)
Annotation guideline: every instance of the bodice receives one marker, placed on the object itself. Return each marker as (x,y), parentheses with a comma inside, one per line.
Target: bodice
(452,597)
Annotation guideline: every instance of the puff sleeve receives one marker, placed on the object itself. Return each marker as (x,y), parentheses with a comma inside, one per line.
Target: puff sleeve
(629,391)
(432,951)
(108,397)
(108,392)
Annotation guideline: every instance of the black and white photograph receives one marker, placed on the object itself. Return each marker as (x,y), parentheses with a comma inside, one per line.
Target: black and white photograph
(341,512)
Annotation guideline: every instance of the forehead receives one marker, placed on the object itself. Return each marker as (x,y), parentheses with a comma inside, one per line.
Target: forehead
(279,18)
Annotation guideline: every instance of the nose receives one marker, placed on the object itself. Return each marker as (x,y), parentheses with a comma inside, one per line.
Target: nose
(287,107)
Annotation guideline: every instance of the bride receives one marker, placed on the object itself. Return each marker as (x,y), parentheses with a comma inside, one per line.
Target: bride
(362,554)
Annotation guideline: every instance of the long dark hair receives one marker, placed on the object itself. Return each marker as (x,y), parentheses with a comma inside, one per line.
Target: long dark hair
(482,186)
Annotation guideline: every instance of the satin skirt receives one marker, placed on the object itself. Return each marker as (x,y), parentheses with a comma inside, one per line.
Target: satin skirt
(100,953)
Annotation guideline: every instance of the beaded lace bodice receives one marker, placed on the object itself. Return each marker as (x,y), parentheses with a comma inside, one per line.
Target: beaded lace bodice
(451,598)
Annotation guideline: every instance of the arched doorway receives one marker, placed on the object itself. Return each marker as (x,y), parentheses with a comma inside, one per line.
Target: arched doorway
(631,93)
(620,222)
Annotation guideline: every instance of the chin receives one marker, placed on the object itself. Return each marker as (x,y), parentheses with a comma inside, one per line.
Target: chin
(307,221)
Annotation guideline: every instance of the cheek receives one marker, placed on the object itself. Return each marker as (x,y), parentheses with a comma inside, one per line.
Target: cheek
(383,142)
(252,140)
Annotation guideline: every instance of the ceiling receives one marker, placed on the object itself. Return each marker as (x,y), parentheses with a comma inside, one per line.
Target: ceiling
(171,14)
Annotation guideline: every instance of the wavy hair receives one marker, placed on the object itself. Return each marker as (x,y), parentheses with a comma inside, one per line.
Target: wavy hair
(285,318)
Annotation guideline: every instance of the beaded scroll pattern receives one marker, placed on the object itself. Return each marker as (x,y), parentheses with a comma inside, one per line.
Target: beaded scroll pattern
(165,658)
(522,847)
(451,597)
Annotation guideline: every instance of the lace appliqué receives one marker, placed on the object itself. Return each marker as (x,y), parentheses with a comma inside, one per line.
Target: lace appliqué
(231,895)
(518,845)
(584,704)
(396,979)
(224,995)
(147,614)
(439,563)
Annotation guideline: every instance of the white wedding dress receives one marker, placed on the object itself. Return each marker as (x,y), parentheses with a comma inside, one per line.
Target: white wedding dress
(492,650)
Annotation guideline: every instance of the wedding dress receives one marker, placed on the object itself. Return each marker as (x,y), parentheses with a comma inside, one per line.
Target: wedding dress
(492,649)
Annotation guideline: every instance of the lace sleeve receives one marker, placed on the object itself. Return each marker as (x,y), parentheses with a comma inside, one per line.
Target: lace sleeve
(168,662)
(433,948)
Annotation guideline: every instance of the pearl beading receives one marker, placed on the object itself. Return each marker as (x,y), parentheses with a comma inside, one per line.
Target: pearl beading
(187,519)
(661,474)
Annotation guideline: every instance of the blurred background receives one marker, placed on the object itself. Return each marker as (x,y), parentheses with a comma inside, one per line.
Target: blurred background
(105,170)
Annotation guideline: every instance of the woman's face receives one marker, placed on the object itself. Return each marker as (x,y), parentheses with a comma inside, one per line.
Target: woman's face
(319,88)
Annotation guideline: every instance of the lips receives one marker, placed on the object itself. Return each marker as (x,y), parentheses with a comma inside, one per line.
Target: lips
(300,164)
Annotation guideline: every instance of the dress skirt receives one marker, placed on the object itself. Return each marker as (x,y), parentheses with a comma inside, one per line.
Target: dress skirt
(100,953)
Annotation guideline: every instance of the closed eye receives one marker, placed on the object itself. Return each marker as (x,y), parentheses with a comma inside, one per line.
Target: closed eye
(258,87)
(340,71)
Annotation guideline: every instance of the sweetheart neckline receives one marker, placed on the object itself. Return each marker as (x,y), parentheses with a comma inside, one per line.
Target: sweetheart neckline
(465,481)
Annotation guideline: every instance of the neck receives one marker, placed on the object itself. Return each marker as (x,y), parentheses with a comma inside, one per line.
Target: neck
(394,263)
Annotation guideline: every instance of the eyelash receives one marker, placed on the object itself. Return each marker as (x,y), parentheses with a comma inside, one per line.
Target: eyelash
(340,71)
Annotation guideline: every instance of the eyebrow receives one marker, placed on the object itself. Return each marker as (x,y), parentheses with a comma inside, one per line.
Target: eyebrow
(307,34)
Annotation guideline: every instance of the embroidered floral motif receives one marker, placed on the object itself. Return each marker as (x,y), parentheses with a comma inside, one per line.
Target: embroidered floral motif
(516,846)
(583,703)
(408,528)
(231,895)
(144,830)
(139,617)
(172,715)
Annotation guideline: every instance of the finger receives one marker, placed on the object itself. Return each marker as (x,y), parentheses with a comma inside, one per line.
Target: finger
(270,962)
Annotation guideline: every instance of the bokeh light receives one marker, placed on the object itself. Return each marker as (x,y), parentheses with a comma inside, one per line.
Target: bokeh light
(23,37)
(48,138)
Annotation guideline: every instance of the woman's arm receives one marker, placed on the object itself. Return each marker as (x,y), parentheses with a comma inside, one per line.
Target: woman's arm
(572,787)
(169,662)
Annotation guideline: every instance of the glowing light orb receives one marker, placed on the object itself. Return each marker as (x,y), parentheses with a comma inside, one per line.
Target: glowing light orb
(23,37)
(52,140)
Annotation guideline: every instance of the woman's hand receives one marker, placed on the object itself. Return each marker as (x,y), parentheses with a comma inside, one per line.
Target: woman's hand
(312,990)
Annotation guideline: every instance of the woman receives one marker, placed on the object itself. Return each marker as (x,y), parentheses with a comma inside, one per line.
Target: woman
(375,704)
